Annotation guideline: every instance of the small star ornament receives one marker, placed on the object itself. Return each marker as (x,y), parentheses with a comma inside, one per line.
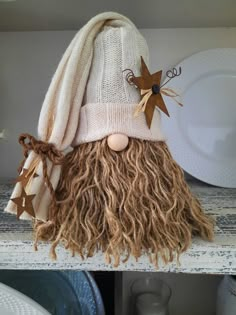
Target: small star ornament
(25,176)
(151,90)
(24,204)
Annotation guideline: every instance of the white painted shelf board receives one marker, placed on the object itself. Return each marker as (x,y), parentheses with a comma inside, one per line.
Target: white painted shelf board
(218,257)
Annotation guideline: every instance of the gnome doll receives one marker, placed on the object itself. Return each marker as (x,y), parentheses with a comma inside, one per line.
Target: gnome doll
(101,177)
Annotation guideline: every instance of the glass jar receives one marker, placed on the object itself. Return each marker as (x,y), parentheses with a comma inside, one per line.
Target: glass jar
(150,296)
(226,296)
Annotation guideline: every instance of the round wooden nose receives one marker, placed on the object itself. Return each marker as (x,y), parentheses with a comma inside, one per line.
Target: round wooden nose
(117,141)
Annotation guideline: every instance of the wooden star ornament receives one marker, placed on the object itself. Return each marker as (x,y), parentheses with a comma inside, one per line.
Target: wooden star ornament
(151,90)
(24,203)
(25,176)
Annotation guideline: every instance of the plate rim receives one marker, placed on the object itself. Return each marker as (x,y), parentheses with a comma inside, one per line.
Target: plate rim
(171,127)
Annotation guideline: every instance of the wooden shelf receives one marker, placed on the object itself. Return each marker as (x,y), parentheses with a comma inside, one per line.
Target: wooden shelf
(218,257)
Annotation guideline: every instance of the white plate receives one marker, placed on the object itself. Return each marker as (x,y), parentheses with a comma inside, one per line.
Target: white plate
(13,302)
(201,135)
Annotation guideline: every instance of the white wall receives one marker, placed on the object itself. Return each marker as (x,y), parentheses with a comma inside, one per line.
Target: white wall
(29,59)
(27,63)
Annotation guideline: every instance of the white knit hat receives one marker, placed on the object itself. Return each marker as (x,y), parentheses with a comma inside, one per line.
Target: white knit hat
(109,100)
(90,74)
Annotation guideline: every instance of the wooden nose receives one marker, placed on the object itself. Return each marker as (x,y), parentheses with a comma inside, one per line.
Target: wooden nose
(117,142)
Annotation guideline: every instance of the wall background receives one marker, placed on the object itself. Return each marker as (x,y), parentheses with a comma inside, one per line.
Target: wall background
(29,59)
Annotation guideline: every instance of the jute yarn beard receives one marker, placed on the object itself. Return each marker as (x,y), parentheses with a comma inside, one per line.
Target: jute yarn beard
(124,203)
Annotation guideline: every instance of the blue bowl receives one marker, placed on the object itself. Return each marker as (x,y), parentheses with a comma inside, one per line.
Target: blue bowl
(59,292)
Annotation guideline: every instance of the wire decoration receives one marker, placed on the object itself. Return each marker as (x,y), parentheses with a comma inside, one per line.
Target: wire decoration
(171,74)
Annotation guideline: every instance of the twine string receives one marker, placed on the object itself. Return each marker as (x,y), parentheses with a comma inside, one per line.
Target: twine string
(143,103)
(44,150)
(147,94)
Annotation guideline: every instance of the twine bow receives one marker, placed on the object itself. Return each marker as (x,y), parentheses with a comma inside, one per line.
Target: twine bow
(141,107)
(44,150)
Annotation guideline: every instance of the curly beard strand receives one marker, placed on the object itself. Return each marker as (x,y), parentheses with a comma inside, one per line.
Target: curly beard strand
(124,203)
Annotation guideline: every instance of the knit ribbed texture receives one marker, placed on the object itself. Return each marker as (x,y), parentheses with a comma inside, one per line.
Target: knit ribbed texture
(110,101)
(99,120)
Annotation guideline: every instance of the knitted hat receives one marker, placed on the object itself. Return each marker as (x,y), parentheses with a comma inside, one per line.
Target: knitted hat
(89,98)
(90,74)
(109,100)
